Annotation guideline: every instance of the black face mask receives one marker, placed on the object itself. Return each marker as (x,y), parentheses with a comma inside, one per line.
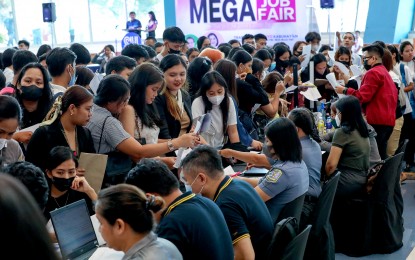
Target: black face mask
(31,93)
(345,63)
(62,184)
(283,63)
(171,51)
(299,53)
(367,66)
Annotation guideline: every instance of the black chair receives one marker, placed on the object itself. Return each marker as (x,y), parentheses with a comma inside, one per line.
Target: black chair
(372,224)
(320,243)
(296,248)
(292,209)
(402,147)
(387,207)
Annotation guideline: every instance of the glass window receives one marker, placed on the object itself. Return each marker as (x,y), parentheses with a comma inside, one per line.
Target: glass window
(7,26)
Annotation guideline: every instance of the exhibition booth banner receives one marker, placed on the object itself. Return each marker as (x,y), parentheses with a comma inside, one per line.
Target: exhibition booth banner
(223,20)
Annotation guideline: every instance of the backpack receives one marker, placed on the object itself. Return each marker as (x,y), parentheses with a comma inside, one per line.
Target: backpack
(285,231)
(401,91)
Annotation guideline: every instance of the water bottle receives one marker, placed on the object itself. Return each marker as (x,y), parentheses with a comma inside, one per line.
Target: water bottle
(323,111)
(320,126)
(328,123)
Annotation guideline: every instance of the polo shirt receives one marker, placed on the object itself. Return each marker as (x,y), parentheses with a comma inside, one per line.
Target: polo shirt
(153,247)
(311,152)
(196,226)
(245,213)
(285,182)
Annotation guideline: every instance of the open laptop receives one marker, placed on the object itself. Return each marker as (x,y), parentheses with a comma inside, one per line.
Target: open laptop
(74,231)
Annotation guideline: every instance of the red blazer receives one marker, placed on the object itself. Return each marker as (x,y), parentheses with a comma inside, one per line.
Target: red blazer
(378,96)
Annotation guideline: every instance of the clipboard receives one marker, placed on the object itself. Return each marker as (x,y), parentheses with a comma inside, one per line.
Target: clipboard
(94,165)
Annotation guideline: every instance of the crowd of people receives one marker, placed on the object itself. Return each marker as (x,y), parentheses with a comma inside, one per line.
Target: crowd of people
(148,105)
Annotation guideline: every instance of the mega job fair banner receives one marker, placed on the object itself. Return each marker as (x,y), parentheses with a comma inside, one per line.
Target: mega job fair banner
(223,20)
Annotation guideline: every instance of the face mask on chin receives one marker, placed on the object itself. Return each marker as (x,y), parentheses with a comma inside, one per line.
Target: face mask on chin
(171,51)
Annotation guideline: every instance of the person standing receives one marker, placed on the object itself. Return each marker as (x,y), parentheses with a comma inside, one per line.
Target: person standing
(152,25)
(378,96)
(134,25)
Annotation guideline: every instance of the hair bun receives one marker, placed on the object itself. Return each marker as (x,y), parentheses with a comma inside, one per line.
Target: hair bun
(154,203)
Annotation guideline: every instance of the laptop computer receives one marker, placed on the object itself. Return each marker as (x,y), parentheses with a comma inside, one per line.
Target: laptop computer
(74,231)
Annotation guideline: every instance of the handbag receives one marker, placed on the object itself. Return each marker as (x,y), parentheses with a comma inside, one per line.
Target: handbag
(118,163)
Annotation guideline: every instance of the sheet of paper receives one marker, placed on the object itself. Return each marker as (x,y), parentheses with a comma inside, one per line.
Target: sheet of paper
(95,82)
(229,170)
(30,128)
(95,224)
(332,79)
(107,254)
(342,68)
(181,154)
(255,108)
(340,82)
(355,70)
(94,165)
(307,55)
(311,94)
(290,89)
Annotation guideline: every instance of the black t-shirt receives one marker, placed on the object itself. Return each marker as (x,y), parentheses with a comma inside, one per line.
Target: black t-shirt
(66,199)
(250,92)
(245,213)
(196,226)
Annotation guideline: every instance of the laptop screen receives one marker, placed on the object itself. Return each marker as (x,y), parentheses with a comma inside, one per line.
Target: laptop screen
(73,228)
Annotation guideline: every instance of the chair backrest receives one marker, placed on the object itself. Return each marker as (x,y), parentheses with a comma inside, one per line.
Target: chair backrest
(285,231)
(322,210)
(402,147)
(384,185)
(296,248)
(292,209)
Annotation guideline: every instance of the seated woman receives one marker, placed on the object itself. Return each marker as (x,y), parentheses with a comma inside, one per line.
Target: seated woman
(23,223)
(350,149)
(320,73)
(344,56)
(249,86)
(84,77)
(65,187)
(174,103)
(140,117)
(213,97)
(10,115)
(288,178)
(35,98)
(108,133)
(126,221)
(64,128)
(228,71)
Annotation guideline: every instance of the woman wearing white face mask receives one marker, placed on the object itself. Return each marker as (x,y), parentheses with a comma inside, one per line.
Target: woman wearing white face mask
(213,98)
(10,150)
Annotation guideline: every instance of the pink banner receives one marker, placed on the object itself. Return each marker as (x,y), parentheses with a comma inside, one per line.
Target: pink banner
(223,20)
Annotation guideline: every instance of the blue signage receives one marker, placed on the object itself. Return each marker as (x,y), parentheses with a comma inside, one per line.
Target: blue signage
(130,38)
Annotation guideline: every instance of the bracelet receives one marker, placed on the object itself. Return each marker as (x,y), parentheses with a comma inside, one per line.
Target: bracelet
(170,145)
(345,90)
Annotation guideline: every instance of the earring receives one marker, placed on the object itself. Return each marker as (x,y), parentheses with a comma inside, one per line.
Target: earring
(71,114)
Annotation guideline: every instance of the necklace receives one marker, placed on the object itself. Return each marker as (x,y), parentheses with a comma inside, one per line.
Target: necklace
(76,152)
(67,197)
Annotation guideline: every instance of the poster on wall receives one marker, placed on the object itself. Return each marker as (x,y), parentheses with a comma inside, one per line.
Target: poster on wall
(223,20)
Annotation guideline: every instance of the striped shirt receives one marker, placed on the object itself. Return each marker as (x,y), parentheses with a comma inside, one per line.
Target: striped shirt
(112,133)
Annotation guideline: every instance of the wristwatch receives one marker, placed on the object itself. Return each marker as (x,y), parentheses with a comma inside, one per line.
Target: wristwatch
(170,145)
